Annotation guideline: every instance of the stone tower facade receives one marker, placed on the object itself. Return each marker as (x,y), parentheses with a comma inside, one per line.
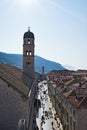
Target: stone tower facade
(28,54)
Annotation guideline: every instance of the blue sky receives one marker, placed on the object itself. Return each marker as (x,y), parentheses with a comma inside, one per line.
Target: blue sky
(59,26)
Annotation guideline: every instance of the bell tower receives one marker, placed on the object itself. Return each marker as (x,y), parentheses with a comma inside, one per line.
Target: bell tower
(28,53)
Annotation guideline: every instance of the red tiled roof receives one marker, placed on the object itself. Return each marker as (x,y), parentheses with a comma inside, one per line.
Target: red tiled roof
(83,102)
(79,103)
(74,101)
(70,93)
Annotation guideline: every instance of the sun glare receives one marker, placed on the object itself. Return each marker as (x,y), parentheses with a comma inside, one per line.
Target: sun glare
(26,2)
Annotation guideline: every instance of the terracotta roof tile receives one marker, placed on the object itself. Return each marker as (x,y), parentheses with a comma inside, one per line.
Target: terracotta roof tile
(83,102)
(80,101)
(69,93)
(74,101)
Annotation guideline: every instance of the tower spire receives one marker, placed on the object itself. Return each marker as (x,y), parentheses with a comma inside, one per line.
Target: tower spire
(29,29)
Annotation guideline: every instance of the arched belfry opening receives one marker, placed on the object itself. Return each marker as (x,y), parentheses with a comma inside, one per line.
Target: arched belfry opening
(28,53)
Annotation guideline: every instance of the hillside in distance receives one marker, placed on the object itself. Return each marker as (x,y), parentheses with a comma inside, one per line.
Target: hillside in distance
(48,65)
(16,60)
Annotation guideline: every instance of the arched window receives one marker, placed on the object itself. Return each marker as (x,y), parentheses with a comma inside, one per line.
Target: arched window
(27,53)
(28,63)
(30,53)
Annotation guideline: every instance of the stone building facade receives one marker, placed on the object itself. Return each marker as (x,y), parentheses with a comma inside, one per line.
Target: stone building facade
(13,98)
(69,99)
(73,117)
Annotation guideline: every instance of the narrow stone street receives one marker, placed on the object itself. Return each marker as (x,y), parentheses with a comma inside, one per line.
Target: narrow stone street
(46,118)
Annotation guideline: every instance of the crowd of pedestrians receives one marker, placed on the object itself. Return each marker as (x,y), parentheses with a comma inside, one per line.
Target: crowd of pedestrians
(49,118)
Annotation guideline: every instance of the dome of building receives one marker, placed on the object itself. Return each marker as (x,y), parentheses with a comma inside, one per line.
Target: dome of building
(28,34)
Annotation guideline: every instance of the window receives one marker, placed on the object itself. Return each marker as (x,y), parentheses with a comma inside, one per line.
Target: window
(27,53)
(28,64)
(73,112)
(67,117)
(30,53)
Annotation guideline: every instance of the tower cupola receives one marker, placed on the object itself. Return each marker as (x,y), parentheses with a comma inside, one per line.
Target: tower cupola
(28,34)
